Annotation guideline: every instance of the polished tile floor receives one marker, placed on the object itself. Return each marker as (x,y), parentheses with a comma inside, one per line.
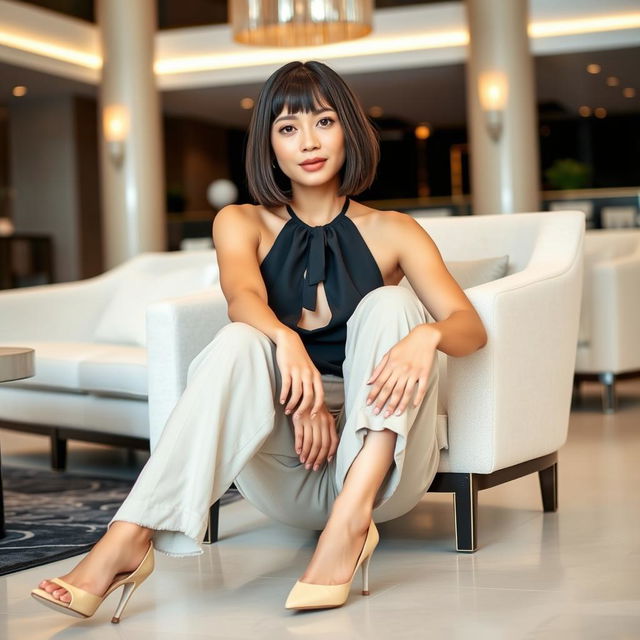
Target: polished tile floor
(574,574)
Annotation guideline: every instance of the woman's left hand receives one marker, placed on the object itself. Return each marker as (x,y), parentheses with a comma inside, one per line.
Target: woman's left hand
(408,362)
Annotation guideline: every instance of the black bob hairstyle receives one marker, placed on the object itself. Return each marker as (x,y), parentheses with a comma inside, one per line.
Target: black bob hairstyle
(308,86)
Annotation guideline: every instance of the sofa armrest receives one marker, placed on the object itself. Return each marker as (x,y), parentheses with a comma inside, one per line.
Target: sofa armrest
(177,330)
(615,314)
(65,311)
(510,401)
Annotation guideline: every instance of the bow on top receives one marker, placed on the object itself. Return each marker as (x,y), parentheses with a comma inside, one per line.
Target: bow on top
(315,267)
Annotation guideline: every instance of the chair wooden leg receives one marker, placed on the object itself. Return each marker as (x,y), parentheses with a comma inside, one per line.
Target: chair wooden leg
(211,534)
(58,452)
(549,487)
(466,511)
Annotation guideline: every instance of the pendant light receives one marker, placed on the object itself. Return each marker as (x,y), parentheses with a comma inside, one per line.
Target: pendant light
(299,23)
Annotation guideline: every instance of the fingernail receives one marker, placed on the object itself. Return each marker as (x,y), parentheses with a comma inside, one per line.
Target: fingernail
(398,412)
(315,467)
(376,410)
(298,451)
(302,459)
(386,413)
(369,401)
(307,466)
(330,458)
(313,415)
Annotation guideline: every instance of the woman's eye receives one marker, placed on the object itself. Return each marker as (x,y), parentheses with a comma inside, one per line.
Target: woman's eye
(328,119)
(288,126)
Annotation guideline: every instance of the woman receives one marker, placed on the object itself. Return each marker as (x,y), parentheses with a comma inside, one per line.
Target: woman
(319,332)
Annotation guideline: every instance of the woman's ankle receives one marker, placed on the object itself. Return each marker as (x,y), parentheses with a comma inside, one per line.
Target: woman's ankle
(131,531)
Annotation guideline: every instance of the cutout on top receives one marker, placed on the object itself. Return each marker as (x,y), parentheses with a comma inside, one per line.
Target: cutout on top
(316,319)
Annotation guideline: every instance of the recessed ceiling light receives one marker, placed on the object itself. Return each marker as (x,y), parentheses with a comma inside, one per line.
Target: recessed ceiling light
(584,111)
(613,81)
(19,91)
(600,112)
(594,68)
(629,92)
(246,103)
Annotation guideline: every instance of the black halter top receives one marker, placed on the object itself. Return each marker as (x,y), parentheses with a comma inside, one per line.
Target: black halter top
(301,257)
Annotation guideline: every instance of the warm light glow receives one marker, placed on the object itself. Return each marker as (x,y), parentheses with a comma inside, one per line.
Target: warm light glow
(275,55)
(584,111)
(493,89)
(594,68)
(370,45)
(593,24)
(19,91)
(116,123)
(613,81)
(50,50)
(600,112)
(629,92)
(246,103)
(422,131)
(376,112)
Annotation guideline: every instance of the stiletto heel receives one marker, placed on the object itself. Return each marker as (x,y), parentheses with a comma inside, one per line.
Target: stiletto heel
(365,577)
(84,604)
(305,595)
(127,592)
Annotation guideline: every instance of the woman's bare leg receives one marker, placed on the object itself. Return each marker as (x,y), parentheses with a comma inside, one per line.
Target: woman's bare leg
(341,541)
(120,550)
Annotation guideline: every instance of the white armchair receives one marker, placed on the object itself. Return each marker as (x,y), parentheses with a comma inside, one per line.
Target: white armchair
(506,407)
(609,331)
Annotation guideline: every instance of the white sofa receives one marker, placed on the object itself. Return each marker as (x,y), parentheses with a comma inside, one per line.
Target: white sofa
(609,332)
(504,409)
(91,378)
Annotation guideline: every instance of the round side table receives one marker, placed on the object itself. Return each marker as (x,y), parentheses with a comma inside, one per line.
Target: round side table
(15,363)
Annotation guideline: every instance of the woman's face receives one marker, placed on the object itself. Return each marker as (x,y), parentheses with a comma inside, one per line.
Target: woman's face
(302,136)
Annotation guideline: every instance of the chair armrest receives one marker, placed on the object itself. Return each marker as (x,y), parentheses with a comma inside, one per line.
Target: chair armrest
(177,330)
(65,311)
(510,401)
(615,314)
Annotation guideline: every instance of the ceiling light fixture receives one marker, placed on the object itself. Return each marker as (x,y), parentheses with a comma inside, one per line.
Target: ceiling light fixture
(299,23)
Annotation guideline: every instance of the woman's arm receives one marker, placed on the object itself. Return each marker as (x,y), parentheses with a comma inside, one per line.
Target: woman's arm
(458,328)
(236,239)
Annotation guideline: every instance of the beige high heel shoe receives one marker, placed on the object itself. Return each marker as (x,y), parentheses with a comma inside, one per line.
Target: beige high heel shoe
(305,595)
(84,604)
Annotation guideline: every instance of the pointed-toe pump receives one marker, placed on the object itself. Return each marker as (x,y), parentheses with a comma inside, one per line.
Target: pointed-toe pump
(305,595)
(84,604)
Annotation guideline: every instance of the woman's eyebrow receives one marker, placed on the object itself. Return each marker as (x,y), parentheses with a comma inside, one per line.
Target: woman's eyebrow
(294,117)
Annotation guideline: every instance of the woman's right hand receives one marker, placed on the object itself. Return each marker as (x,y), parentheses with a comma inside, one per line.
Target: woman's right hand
(299,376)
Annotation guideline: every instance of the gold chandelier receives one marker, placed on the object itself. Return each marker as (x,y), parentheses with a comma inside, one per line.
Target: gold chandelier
(297,23)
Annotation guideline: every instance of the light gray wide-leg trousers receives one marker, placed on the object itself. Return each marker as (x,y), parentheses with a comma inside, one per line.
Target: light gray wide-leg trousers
(229,427)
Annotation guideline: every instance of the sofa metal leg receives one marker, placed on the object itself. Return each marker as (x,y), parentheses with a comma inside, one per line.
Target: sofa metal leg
(465,500)
(608,380)
(211,534)
(549,487)
(58,452)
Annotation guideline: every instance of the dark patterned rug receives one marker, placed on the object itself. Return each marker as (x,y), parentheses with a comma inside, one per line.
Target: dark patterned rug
(52,515)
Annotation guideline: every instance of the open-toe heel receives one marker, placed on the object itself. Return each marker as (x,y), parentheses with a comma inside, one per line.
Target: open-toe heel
(84,604)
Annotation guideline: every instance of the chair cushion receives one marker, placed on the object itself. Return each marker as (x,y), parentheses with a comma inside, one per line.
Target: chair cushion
(467,273)
(81,367)
(124,319)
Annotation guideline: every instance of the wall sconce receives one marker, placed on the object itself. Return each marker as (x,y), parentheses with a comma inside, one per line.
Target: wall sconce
(115,126)
(493,91)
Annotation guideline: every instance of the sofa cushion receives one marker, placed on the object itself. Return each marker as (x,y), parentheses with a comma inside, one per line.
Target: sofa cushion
(124,319)
(80,367)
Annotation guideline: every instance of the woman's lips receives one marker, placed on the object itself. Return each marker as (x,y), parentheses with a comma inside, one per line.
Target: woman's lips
(313,167)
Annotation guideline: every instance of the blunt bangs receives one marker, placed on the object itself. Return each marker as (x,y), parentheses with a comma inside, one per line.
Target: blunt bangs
(308,87)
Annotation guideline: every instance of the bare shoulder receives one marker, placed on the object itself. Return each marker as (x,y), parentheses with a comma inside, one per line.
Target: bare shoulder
(237,220)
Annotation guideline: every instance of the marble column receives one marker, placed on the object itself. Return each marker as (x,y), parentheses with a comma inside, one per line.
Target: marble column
(502,109)
(131,150)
